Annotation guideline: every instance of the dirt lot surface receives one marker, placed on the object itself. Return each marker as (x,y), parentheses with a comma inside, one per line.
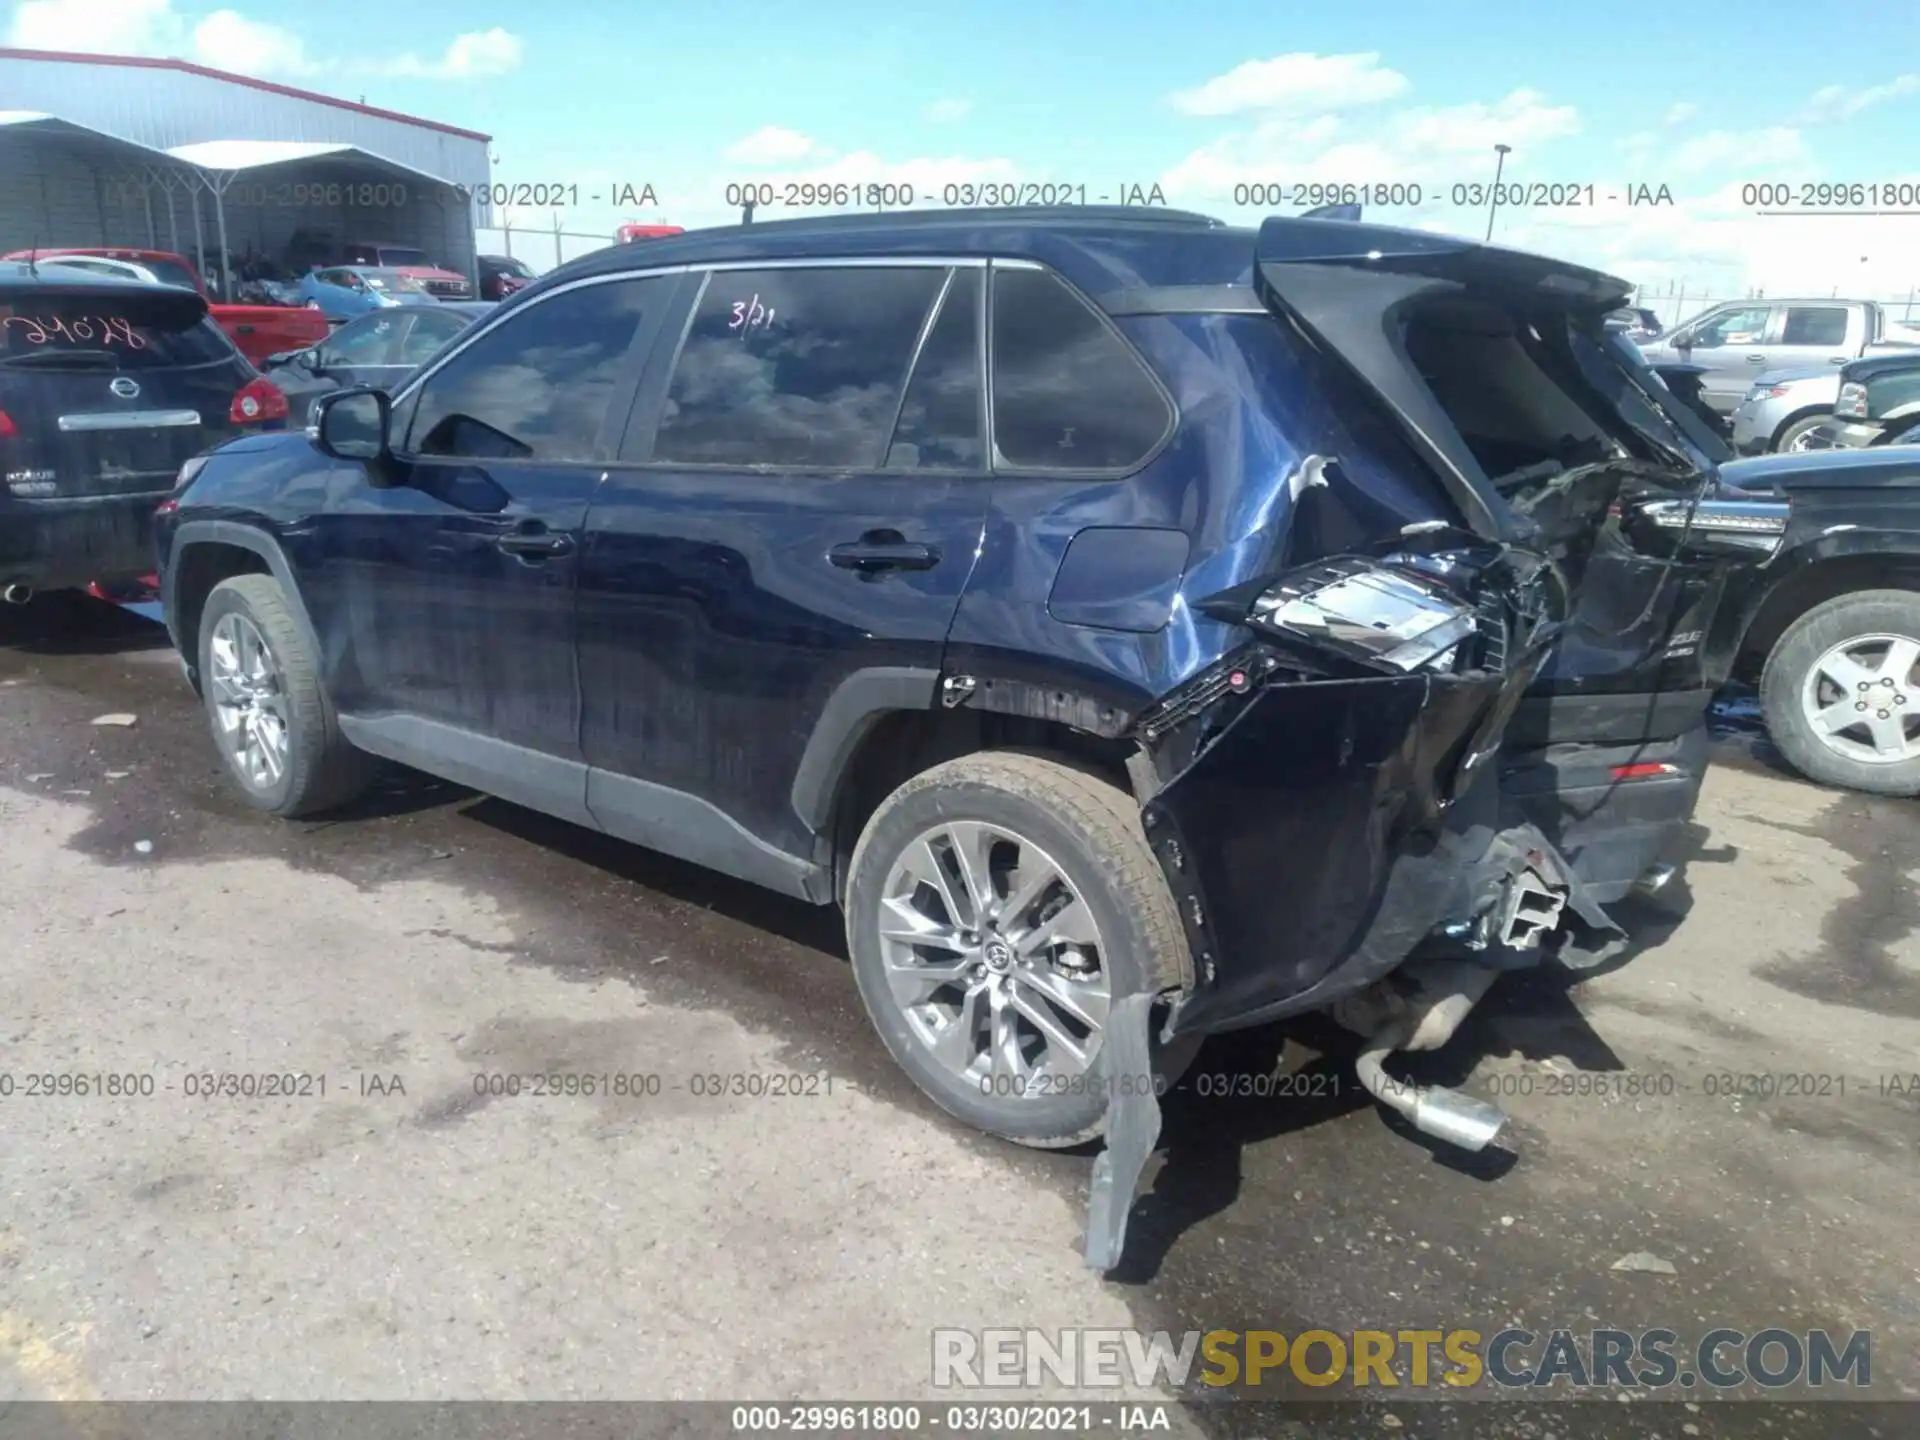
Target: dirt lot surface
(404,1236)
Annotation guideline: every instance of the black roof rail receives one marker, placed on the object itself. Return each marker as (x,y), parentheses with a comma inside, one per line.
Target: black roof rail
(888,219)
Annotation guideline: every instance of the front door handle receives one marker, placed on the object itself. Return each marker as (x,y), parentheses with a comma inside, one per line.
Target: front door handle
(535,544)
(872,556)
(1756,359)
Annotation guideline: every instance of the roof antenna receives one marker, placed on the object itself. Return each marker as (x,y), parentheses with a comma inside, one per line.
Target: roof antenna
(33,258)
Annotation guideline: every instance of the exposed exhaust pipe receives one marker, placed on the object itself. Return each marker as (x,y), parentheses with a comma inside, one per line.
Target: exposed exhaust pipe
(1446,991)
(17,594)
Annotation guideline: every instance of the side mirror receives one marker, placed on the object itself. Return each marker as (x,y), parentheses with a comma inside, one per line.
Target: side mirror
(354,425)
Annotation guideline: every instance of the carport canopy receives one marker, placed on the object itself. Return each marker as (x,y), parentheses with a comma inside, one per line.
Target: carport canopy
(224,162)
(215,166)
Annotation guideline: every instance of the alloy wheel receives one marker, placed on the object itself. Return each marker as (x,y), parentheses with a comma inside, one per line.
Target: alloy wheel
(1860,699)
(994,959)
(250,705)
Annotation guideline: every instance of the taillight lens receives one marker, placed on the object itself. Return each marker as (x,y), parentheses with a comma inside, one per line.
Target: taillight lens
(1645,770)
(7,428)
(1853,401)
(256,401)
(166,507)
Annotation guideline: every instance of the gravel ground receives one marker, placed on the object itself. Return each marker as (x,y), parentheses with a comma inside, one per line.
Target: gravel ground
(403,1237)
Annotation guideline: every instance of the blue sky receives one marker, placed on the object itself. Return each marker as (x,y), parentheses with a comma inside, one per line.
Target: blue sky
(1701,98)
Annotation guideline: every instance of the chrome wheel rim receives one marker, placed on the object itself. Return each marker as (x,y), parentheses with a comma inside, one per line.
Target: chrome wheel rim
(1860,699)
(1801,443)
(250,707)
(994,959)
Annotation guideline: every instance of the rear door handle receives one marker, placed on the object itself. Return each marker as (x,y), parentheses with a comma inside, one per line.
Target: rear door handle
(873,556)
(535,544)
(1756,359)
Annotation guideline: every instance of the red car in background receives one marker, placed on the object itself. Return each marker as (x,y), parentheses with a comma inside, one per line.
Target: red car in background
(258,330)
(628,234)
(410,260)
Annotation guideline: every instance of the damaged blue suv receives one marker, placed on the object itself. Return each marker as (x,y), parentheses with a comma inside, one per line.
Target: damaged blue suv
(1140,627)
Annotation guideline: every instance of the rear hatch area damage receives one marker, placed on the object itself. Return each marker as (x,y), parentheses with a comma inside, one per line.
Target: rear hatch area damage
(1329,801)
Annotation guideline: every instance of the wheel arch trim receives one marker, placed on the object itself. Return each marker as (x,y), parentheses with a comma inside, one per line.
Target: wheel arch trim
(1794,568)
(242,537)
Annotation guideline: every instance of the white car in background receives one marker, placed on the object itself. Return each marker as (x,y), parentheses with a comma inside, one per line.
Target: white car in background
(100,265)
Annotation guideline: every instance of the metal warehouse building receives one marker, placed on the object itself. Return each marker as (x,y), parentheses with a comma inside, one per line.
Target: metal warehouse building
(100,150)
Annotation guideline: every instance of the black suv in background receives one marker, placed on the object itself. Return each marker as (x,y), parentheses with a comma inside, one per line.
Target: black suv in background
(107,387)
(1140,627)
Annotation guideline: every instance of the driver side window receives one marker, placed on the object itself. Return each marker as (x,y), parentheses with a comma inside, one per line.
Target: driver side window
(537,387)
(1742,325)
(364,344)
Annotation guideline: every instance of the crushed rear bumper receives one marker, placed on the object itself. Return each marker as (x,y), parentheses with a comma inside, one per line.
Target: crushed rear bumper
(1333,826)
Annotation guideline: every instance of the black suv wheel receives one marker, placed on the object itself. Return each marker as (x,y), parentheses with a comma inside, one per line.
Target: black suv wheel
(269,713)
(1841,692)
(998,905)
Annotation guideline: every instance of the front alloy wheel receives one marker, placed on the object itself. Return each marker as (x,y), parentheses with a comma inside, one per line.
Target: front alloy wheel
(1841,692)
(249,700)
(993,959)
(1860,699)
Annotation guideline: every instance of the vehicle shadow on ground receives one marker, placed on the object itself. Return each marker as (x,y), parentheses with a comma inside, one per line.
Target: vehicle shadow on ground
(71,622)
(1247,1088)
(817,927)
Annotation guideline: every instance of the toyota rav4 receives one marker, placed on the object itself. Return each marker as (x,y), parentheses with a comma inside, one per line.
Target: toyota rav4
(1140,627)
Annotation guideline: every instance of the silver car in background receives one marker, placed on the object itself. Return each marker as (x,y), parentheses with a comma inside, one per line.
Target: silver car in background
(1782,408)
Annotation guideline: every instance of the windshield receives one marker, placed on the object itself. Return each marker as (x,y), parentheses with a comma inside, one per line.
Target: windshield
(391,280)
(392,255)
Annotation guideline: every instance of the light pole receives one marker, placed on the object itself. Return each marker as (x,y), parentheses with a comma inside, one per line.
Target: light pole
(1493,196)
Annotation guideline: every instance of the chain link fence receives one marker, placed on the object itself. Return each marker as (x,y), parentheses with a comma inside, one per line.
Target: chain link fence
(541,248)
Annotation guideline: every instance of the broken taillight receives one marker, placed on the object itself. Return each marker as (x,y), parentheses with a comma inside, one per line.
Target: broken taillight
(1645,770)
(257,401)
(1367,612)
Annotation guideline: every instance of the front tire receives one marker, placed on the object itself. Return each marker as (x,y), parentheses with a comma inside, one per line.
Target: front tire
(998,905)
(1792,439)
(1841,692)
(268,711)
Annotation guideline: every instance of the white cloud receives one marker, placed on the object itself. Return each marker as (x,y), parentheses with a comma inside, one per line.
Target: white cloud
(230,40)
(1431,147)
(1301,83)
(1680,113)
(772,145)
(227,40)
(474,55)
(99,27)
(945,112)
(1843,102)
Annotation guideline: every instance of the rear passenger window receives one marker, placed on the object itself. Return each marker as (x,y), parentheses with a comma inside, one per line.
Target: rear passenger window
(537,386)
(796,367)
(940,420)
(1808,325)
(1068,392)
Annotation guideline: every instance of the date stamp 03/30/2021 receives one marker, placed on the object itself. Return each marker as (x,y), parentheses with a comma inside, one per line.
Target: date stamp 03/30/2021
(1317,1083)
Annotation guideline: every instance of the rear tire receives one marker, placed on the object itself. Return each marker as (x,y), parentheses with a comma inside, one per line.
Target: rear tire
(1805,699)
(1076,915)
(266,706)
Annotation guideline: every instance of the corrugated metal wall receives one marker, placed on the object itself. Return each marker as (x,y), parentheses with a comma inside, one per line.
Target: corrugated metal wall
(56,192)
(164,108)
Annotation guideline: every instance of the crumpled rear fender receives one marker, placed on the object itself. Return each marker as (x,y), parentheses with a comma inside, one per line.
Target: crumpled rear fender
(1331,827)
